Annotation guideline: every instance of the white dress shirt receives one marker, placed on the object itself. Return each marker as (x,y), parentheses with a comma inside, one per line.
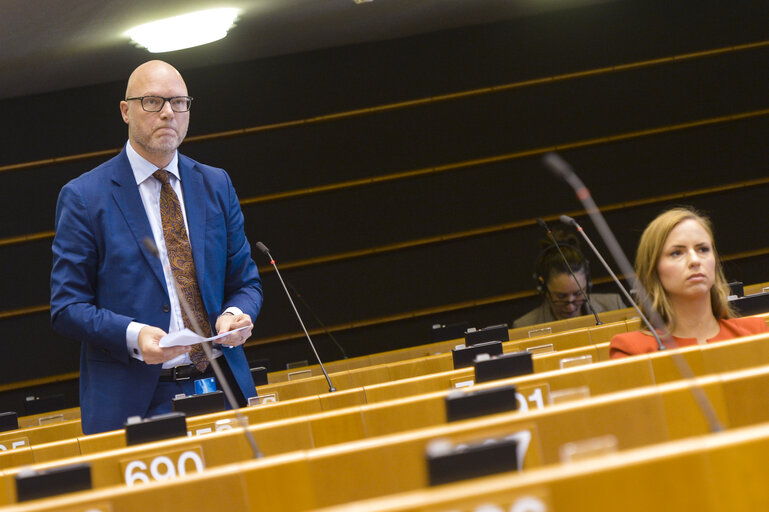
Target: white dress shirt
(149,190)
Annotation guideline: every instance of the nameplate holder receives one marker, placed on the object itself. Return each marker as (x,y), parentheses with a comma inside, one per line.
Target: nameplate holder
(462,405)
(47,420)
(216,426)
(33,484)
(503,366)
(462,382)
(268,398)
(195,405)
(155,428)
(230,423)
(297,364)
(569,394)
(492,333)
(465,356)
(541,349)
(447,463)
(540,332)
(9,420)
(569,362)
(588,448)
(299,374)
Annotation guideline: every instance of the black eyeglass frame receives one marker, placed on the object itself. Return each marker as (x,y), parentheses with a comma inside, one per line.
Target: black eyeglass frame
(141,102)
(579,300)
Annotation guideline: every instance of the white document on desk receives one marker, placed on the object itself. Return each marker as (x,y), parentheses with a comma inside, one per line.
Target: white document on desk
(187,337)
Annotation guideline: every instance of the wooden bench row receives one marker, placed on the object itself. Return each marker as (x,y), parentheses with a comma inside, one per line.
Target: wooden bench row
(414,361)
(445,347)
(723,472)
(391,372)
(350,384)
(422,394)
(365,376)
(384,465)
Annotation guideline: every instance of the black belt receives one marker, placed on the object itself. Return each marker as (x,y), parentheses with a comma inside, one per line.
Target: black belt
(184,372)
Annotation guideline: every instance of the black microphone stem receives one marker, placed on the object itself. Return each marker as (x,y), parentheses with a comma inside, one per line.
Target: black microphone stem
(542,223)
(266,251)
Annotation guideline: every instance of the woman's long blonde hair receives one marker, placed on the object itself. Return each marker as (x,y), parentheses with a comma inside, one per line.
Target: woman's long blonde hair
(648,256)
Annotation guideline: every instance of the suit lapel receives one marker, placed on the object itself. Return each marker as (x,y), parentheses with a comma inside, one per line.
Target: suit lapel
(195,205)
(126,195)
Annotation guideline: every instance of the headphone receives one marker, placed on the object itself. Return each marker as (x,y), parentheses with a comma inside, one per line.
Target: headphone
(541,270)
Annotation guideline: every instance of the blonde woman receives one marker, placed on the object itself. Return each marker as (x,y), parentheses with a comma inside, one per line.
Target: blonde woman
(678,265)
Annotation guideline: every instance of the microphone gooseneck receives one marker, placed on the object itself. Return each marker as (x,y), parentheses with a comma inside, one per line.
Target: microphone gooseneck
(264,250)
(542,224)
(563,170)
(152,248)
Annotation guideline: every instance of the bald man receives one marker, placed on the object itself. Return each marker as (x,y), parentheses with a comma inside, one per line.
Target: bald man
(117,298)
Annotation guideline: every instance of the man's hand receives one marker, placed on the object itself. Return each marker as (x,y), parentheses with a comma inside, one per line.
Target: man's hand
(152,352)
(228,322)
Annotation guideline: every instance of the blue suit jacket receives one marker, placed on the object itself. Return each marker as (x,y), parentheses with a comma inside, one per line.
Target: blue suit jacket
(103,278)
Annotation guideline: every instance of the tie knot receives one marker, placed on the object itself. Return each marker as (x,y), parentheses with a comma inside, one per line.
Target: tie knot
(162,176)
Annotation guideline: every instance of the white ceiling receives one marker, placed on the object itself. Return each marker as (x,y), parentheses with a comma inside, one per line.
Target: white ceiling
(47,45)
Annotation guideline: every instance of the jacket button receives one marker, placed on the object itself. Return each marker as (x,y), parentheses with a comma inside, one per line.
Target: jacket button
(166,308)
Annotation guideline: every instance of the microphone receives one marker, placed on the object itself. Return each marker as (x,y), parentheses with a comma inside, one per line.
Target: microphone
(264,250)
(563,170)
(568,220)
(542,223)
(307,306)
(153,249)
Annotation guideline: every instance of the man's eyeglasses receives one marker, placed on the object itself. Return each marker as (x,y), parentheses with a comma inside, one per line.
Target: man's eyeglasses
(156,103)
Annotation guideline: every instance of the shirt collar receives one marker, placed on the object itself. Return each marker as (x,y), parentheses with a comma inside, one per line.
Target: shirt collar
(143,169)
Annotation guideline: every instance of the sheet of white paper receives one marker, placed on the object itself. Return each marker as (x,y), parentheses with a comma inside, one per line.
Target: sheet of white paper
(187,337)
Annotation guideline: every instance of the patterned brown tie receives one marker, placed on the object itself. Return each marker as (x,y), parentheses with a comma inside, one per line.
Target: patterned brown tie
(182,265)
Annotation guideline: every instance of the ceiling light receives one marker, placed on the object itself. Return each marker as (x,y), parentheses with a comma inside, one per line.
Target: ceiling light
(185,31)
